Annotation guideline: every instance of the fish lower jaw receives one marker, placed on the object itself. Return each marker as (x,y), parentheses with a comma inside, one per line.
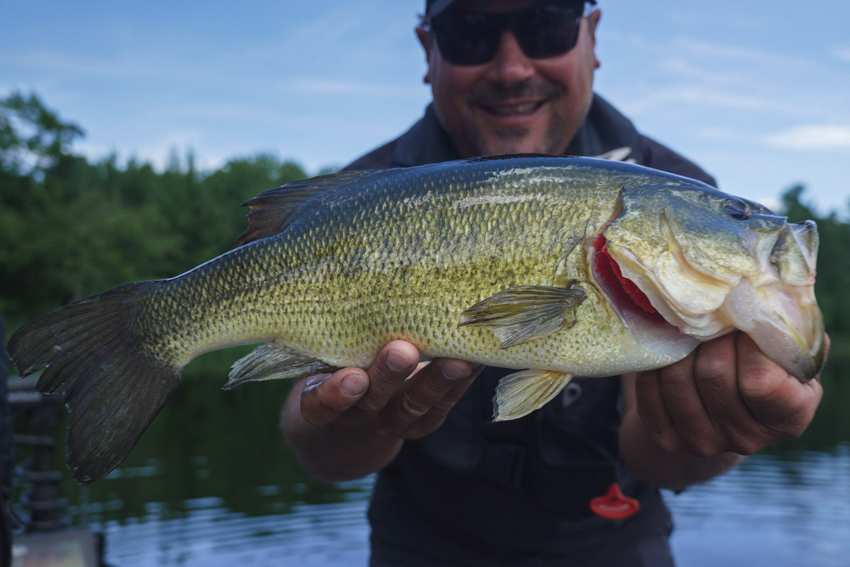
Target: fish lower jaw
(784,321)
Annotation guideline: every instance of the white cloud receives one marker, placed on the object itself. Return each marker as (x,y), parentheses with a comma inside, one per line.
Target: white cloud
(342,87)
(716,50)
(812,137)
(722,134)
(700,97)
(687,69)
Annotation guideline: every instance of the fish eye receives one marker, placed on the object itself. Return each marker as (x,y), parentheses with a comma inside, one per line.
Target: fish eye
(737,209)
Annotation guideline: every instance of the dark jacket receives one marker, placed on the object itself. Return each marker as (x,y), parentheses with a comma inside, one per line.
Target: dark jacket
(476,492)
(6,444)
(6,454)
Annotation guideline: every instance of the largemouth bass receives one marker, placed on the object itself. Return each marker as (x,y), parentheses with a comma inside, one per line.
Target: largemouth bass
(557,267)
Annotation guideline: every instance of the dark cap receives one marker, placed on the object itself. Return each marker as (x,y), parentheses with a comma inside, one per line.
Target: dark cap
(434,7)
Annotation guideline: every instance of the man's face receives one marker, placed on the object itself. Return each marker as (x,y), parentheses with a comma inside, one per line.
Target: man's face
(513,103)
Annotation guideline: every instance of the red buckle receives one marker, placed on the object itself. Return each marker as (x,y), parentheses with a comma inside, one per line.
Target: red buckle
(614,505)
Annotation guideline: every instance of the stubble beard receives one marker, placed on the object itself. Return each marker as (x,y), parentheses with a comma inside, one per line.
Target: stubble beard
(513,139)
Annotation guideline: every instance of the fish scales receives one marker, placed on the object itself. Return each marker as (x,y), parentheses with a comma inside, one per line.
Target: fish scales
(562,266)
(323,286)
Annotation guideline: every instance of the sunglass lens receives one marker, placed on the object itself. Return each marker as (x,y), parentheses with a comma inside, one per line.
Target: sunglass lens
(548,31)
(466,41)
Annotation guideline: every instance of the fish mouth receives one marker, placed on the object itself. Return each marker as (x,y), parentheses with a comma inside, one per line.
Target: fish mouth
(782,318)
(784,321)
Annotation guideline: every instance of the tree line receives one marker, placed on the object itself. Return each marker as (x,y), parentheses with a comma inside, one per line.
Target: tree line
(70,227)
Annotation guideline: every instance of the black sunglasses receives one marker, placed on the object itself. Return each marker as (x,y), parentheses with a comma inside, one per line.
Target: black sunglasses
(472,38)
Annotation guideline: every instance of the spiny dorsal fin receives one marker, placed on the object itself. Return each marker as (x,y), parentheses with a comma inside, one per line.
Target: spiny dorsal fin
(523,392)
(273,361)
(519,314)
(500,157)
(273,210)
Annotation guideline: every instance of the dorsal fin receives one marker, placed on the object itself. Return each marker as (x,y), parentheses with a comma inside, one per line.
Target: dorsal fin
(273,210)
(498,157)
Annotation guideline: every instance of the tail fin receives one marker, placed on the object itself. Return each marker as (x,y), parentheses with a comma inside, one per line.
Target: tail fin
(113,386)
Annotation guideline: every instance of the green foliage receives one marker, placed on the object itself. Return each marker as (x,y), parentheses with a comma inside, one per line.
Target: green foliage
(70,228)
(32,137)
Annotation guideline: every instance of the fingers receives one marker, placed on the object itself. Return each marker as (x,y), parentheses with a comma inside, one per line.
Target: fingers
(778,401)
(708,417)
(726,396)
(653,412)
(689,415)
(432,393)
(386,398)
(326,397)
(717,373)
(396,361)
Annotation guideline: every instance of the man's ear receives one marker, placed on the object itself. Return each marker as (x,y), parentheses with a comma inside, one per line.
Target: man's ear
(593,21)
(427,45)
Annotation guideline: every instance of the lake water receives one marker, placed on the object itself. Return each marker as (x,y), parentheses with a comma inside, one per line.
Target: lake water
(771,511)
(211,483)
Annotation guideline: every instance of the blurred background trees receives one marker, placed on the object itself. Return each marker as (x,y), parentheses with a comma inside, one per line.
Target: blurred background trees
(70,228)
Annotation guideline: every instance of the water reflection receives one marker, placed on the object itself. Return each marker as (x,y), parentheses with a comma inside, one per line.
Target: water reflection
(789,511)
(211,483)
(771,511)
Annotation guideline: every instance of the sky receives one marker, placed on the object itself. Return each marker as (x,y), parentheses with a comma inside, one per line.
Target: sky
(756,92)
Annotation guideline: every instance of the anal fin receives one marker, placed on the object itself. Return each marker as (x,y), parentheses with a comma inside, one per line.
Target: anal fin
(523,392)
(273,361)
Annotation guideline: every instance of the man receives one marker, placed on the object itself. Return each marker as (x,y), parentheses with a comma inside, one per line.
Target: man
(455,488)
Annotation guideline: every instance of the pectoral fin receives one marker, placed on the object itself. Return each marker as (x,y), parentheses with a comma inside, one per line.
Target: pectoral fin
(519,314)
(523,392)
(273,361)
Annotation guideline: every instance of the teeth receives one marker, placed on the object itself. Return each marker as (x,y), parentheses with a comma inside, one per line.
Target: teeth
(506,110)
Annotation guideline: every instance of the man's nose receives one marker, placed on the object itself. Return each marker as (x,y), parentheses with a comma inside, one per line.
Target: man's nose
(510,63)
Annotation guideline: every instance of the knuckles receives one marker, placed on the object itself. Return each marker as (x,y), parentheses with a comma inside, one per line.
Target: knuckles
(370,404)
(713,368)
(764,385)
(668,442)
(412,409)
(745,444)
(791,429)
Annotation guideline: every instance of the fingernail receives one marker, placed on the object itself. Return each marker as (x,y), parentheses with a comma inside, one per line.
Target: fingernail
(397,361)
(314,381)
(454,371)
(353,385)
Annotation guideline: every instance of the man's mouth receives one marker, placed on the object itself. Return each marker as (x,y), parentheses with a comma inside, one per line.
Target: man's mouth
(513,108)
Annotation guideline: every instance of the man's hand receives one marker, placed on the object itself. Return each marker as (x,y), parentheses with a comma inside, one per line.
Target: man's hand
(726,396)
(692,420)
(393,398)
(353,422)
